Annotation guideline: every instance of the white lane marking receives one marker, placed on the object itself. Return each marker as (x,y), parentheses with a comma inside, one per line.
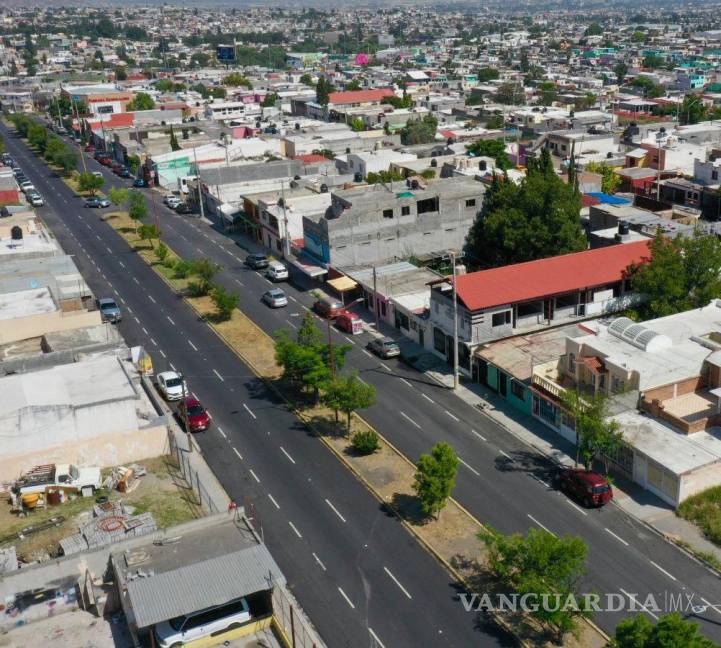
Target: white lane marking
(283,450)
(347,600)
(540,481)
(453,416)
(319,562)
(480,436)
(272,499)
(335,510)
(615,536)
(108,249)
(122,265)
(162,353)
(247,409)
(136,319)
(635,601)
(661,569)
(363,381)
(408,418)
(540,525)
(239,282)
(237,453)
(406,382)
(292,526)
(506,455)
(150,297)
(172,366)
(578,508)
(254,476)
(170,319)
(349,340)
(370,355)
(293,298)
(219,376)
(154,342)
(145,330)
(136,280)
(428,398)
(195,348)
(220,429)
(130,310)
(291,323)
(471,468)
(386,367)
(375,637)
(199,250)
(397,582)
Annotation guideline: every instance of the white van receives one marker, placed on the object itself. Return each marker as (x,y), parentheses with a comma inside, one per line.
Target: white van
(276,271)
(184,629)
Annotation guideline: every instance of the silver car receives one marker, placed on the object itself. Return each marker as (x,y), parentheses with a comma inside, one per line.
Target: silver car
(275,298)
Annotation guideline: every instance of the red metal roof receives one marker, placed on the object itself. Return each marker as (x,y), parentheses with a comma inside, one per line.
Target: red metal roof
(117,120)
(553,276)
(311,158)
(359,96)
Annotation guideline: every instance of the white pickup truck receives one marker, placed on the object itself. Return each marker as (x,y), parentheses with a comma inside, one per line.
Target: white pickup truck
(84,480)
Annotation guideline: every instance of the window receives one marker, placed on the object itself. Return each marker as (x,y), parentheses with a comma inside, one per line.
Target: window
(387,213)
(405,211)
(714,175)
(403,320)
(500,319)
(450,230)
(471,202)
(572,363)
(518,390)
(439,340)
(427,205)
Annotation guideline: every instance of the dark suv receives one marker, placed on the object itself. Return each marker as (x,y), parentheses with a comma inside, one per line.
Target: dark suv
(256,261)
(590,488)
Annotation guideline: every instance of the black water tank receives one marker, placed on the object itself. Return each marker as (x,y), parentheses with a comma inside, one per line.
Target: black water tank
(324,188)
(296,177)
(623,228)
(434,163)
(414,184)
(482,166)
(293,184)
(358,177)
(16,233)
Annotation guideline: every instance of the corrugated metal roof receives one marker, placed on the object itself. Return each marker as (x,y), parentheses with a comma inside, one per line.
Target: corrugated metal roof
(202,585)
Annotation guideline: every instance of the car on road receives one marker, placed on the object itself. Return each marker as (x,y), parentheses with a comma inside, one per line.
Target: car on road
(214,621)
(35,199)
(589,488)
(276,271)
(384,347)
(327,307)
(109,310)
(171,385)
(97,174)
(139,182)
(27,186)
(275,298)
(96,202)
(172,201)
(349,322)
(197,417)
(17,171)
(184,208)
(256,261)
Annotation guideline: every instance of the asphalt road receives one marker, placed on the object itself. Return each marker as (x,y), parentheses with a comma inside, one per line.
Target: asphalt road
(501,481)
(362,578)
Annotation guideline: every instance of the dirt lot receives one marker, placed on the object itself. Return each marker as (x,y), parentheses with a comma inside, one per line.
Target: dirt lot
(161,492)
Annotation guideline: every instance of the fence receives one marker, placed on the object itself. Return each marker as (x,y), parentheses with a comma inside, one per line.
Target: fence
(293,622)
(191,474)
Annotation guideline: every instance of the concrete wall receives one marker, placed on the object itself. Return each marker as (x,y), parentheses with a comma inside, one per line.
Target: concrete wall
(699,480)
(24,328)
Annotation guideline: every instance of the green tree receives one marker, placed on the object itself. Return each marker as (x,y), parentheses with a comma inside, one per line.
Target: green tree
(683,273)
(269,100)
(692,110)
(137,207)
(309,334)
(90,183)
(494,122)
(322,91)
(510,93)
(486,74)
(37,136)
(638,37)
(594,29)
(419,131)
(225,303)
(620,70)
(494,148)
(652,61)
(205,270)
(357,124)
(118,195)
(383,177)
(2,144)
(182,268)
(174,145)
(648,87)
(670,631)
(120,73)
(547,93)
(68,160)
(348,394)
(54,149)
(236,80)
(609,178)
(149,233)
(353,85)
(134,163)
(306,79)
(540,564)
(365,442)
(141,101)
(537,219)
(435,478)
(162,252)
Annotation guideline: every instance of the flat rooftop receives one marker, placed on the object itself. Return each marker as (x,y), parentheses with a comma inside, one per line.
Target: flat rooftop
(25,303)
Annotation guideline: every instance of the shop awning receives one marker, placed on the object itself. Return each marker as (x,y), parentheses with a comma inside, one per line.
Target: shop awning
(308,266)
(342,284)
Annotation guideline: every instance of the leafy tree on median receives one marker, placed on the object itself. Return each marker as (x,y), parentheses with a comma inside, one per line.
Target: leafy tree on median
(225,303)
(537,219)
(162,252)
(137,207)
(37,136)
(54,149)
(348,394)
(149,233)
(118,195)
(539,564)
(90,183)
(205,270)
(682,273)
(435,478)
(671,631)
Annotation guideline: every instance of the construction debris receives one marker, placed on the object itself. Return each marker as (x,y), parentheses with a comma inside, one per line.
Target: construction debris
(125,478)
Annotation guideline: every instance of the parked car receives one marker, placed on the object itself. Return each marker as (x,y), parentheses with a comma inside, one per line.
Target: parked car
(587,487)
(124,172)
(171,385)
(204,623)
(27,186)
(109,310)
(384,347)
(96,202)
(197,417)
(328,307)
(349,322)
(276,271)
(172,201)
(17,171)
(184,208)
(36,200)
(105,161)
(256,261)
(97,174)
(275,298)
(99,154)
(89,148)
(115,166)
(139,182)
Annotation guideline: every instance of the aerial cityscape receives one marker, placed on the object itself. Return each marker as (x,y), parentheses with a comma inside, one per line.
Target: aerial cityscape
(335,326)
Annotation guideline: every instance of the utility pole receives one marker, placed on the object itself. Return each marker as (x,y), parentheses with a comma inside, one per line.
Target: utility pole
(286,233)
(184,409)
(331,354)
(455,324)
(375,300)
(200,190)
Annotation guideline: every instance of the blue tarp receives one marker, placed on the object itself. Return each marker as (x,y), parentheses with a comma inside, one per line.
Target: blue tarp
(608,199)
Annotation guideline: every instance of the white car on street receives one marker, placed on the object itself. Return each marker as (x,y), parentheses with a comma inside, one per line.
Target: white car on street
(171,385)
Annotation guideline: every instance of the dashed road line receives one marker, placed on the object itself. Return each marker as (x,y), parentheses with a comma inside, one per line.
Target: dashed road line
(162,353)
(428,398)
(397,582)
(635,601)
(453,416)
(219,376)
(506,455)
(480,436)
(284,451)
(368,353)
(406,382)
(145,330)
(471,468)
(170,319)
(347,600)
(292,526)
(540,525)
(661,569)
(254,476)
(349,339)
(247,409)
(291,324)
(386,367)
(578,508)
(379,643)
(319,562)
(408,418)
(222,433)
(617,538)
(335,510)
(195,348)
(150,297)
(272,499)
(154,342)
(237,453)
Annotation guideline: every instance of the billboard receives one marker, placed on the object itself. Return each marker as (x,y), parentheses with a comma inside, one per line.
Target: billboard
(226,53)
